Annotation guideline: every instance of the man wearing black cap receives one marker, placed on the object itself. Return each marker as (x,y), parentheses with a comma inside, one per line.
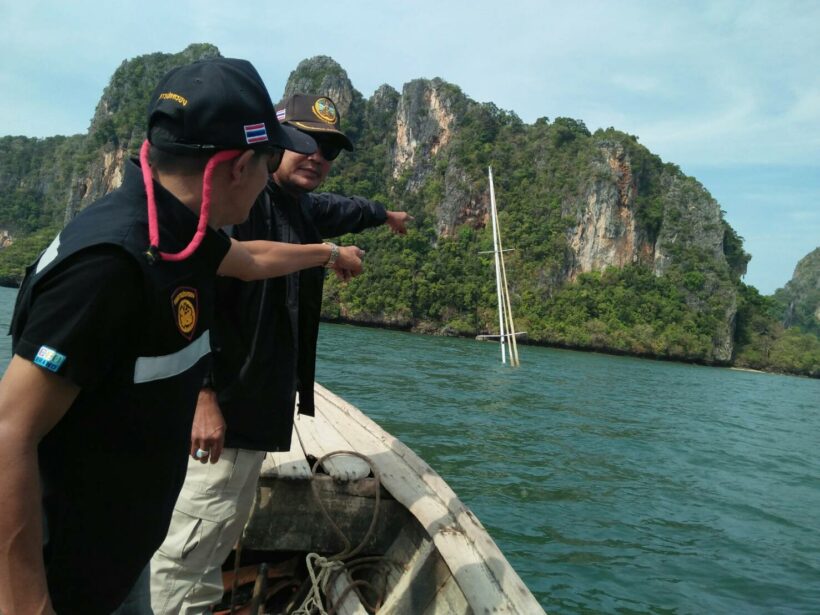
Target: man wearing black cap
(265,348)
(111,343)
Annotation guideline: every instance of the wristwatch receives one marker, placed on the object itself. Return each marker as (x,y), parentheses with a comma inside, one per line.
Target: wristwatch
(334,254)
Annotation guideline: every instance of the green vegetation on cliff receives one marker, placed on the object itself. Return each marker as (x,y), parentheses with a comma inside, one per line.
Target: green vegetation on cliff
(614,249)
(763,342)
(798,303)
(44,181)
(119,120)
(35,181)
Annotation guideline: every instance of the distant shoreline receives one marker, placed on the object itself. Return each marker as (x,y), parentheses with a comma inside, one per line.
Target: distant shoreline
(423,328)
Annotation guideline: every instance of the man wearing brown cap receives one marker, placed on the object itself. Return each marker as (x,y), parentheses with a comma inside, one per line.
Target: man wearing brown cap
(265,350)
(111,341)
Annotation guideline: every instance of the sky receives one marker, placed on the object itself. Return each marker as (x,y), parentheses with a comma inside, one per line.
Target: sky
(727,90)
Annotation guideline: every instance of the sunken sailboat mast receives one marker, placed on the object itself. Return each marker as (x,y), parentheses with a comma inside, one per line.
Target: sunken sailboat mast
(506,327)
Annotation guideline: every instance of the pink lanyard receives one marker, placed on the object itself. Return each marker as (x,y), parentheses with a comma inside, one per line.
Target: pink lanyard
(153,228)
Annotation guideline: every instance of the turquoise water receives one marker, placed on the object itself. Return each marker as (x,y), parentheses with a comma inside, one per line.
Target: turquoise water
(612,484)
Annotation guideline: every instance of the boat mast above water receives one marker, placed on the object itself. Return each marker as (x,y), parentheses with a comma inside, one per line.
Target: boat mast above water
(506,327)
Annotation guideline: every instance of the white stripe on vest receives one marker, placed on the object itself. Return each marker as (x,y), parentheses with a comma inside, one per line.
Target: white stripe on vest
(49,254)
(148,369)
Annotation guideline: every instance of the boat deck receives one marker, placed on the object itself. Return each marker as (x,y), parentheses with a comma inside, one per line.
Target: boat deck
(314,437)
(419,520)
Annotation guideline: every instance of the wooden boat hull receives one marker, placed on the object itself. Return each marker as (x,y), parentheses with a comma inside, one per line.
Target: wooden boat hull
(424,553)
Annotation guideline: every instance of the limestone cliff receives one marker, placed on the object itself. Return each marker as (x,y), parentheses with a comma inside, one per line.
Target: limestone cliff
(102,175)
(605,232)
(571,203)
(799,300)
(424,125)
(608,233)
(117,128)
(322,75)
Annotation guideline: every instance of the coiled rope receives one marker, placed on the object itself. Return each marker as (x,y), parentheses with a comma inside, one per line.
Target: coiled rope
(324,570)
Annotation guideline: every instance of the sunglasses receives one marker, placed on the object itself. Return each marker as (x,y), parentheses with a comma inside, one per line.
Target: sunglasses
(329,147)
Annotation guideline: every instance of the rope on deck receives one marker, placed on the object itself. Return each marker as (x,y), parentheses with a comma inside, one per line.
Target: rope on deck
(324,570)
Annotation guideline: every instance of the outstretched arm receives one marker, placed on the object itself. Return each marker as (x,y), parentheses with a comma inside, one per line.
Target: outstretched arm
(336,215)
(32,401)
(257,260)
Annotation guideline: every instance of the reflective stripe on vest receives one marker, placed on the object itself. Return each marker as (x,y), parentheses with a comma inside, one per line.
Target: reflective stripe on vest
(148,369)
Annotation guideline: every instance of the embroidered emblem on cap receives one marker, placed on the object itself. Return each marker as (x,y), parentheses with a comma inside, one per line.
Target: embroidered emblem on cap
(255,133)
(325,110)
(49,358)
(185,304)
(280,115)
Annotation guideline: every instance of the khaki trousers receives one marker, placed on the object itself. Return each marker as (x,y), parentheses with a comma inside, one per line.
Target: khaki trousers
(208,518)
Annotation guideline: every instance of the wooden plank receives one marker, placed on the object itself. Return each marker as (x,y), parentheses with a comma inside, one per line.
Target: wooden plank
(413,588)
(350,604)
(450,600)
(286,516)
(469,568)
(290,465)
(319,437)
(480,569)
(404,484)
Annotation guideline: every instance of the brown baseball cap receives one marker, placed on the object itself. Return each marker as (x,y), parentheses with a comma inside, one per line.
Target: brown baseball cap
(312,114)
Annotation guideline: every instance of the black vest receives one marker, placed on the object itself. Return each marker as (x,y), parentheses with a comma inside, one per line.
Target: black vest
(112,467)
(266,332)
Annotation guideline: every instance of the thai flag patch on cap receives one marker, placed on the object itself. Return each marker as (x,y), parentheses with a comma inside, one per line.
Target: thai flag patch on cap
(49,358)
(280,115)
(255,133)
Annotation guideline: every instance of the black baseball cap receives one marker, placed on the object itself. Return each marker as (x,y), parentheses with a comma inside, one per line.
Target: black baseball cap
(218,104)
(312,114)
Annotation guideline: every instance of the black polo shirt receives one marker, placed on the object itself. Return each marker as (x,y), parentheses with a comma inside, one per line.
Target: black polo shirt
(94,311)
(87,310)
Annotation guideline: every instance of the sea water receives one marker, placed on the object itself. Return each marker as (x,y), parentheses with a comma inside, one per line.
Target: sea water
(611,484)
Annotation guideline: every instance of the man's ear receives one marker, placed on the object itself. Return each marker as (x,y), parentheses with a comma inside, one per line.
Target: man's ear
(242,165)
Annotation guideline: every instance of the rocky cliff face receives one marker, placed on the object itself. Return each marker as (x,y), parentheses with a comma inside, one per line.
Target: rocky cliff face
(424,125)
(592,201)
(322,75)
(602,215)
(799,300)
(605,232)
(102,175)
(117,129)
(462,203)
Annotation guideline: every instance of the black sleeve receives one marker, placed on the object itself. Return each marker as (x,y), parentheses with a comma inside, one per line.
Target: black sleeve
(215,245)
(335,215)
(85,315)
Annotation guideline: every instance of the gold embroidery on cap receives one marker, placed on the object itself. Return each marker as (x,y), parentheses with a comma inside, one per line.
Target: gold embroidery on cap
(171,96)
